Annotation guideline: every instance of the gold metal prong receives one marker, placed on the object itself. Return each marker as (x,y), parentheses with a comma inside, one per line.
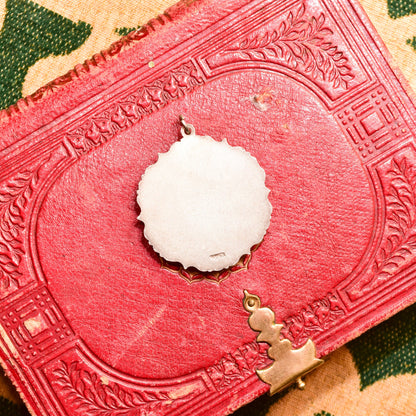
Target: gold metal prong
(186,127)
(300,383)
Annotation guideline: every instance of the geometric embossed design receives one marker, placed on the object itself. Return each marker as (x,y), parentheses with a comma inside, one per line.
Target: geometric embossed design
(36,325)
(372,122)
(316,318)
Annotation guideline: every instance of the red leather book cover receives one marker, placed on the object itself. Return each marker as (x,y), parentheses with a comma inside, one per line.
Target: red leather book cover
(93,321)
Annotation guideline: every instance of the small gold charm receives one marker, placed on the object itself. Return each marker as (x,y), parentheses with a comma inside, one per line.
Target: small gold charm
(289,364)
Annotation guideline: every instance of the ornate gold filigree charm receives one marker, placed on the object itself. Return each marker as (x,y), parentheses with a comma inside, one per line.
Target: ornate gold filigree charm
(289,364)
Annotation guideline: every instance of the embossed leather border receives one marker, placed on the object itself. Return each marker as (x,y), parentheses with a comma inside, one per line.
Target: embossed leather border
(39,346)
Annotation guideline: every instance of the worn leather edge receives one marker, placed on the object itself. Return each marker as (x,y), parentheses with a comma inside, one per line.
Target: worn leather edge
(382,48)
(170,15)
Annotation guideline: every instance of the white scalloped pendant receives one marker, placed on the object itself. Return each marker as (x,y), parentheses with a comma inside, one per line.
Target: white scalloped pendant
(204,203)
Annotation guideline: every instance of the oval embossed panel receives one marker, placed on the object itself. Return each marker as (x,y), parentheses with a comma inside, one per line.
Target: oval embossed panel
(110,284)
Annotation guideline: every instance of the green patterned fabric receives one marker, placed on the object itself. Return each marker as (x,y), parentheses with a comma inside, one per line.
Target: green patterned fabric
(260,406)
(400,8)
(387,350)
(29,33)
(122,31)
(412,42)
